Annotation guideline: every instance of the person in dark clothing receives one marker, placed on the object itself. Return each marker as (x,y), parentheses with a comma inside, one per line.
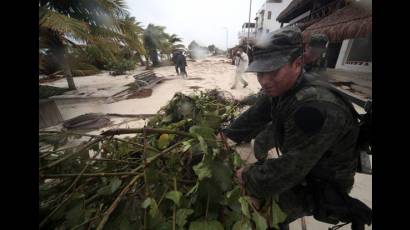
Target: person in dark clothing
(315,53)
(180,64)
(174,57)
(313,129)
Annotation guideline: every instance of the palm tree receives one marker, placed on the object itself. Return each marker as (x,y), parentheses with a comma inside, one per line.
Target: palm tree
(61,22)
(156,40)
(174,39)
(133,36)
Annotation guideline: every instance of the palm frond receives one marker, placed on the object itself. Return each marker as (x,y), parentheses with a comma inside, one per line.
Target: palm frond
(174,39)
(62,24)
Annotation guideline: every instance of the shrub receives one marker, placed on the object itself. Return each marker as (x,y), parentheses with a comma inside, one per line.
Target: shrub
(120,67)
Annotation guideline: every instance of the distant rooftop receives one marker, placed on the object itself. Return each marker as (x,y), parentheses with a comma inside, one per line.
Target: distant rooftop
(245,25)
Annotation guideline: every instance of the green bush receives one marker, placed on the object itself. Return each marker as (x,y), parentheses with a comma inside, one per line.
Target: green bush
(45,91)
(121,66)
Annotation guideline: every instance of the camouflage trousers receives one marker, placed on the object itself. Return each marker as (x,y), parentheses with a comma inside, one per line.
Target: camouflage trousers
(296,202)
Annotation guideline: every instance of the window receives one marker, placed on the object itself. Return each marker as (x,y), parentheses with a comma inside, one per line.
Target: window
(269,14)
(360,51)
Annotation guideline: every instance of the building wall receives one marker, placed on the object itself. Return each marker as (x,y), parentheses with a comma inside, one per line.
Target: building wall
(243,34)
(264,22)
(343,55)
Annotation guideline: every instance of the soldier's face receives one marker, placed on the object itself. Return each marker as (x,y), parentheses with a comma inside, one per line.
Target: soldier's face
(310,54)
(277,82)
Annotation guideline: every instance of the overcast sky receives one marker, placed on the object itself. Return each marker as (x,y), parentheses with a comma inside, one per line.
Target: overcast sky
(199,20)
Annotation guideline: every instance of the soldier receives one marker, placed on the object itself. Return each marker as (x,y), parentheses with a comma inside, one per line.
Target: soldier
(314,129)
(315,52)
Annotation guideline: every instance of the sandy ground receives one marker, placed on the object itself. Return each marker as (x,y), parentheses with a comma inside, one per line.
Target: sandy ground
(210,73)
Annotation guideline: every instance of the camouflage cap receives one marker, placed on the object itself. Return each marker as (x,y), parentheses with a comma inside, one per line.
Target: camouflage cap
(275,51)
(318,41)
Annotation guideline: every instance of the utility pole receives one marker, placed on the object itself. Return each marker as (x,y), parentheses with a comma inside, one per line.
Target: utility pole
(226,38)
(249,26)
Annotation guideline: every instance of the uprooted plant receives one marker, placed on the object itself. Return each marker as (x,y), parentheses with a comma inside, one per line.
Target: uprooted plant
(172,174)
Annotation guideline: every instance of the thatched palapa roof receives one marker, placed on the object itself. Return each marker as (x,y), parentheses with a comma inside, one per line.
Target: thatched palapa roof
(352,21)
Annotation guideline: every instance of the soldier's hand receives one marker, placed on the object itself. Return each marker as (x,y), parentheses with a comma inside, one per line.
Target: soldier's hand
(238,175)
(220,136)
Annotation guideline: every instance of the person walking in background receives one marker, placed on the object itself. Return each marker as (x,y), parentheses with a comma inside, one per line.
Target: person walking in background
(241,62)
(180,64)
(174,60)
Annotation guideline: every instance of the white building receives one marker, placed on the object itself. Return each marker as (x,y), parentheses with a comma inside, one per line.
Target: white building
(243,34)
(266,16)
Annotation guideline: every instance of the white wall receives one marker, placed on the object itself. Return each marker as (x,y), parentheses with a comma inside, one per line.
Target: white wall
(275,9)
(344,51)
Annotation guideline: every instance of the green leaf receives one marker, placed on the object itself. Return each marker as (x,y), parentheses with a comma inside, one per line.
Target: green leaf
(193,189)
(163,226)
(174,196)
(211,120)
(163,141)
(240,225)
(234,191)
(77,196)
(278,216)
(244,206)
(233,195)
(202,170)
(147,202)
(186,145)
(230,218)
(186,108)
(224,178)
(206,225)
(237,160)
(203,131)
(167,118)
(114,184)
(182,215)
(153,211)
(260,221)
(75,215)
(202,144)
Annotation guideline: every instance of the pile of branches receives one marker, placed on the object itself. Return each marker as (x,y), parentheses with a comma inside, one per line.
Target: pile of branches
(172,174)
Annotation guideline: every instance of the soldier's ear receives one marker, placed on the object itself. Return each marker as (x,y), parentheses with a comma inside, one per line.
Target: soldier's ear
(297,62)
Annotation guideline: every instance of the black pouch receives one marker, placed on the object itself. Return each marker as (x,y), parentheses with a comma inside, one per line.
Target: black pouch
(330,207)
(333,206)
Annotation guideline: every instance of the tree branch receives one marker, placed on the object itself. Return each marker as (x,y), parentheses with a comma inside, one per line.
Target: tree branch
(148,130)
(90,174)
(117,201)
(67,156)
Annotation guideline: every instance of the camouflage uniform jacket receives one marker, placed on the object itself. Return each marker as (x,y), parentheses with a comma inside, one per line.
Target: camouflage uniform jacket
(315,131)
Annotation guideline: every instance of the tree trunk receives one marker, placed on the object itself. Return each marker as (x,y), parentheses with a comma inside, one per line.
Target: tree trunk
(147,62)
(140,59)
(154,58)
(61,54)
(68,75)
